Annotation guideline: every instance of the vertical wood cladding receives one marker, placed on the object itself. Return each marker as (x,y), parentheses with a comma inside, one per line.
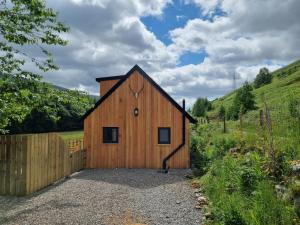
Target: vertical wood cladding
(106,85)
(138,135)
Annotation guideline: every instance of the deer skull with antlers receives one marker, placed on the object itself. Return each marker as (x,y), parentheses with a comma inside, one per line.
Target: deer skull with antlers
(136,94)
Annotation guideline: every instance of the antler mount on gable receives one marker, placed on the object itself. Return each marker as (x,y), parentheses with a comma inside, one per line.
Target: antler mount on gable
(136,93)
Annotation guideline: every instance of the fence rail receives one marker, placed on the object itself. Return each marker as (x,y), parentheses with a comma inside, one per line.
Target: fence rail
(31,162)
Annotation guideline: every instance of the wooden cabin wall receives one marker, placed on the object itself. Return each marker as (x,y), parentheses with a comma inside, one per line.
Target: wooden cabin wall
(138,136)
(106,85)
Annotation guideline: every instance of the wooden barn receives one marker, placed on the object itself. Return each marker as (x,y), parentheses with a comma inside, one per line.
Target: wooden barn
(136,124)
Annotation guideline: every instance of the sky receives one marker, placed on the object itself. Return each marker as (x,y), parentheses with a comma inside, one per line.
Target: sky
(192,48)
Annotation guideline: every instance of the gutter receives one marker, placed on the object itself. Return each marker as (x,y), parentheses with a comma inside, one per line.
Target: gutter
(166,159)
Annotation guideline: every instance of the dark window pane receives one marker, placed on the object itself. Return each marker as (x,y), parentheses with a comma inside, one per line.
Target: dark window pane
(110,135)
(164,135)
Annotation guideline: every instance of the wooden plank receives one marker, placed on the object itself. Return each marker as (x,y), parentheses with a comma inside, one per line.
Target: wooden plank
(28,164)
(36,163)
(2,165)
(18,162)
(12,165)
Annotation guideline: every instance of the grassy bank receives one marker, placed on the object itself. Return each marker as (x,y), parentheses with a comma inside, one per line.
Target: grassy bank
(247,172)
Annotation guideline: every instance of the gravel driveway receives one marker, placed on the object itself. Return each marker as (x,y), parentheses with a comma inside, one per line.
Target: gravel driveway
(110,197)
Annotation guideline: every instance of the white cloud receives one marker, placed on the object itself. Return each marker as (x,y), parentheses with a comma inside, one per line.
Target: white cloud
(108,37)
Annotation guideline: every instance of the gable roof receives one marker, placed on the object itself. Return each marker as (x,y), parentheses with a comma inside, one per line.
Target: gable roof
(124,78)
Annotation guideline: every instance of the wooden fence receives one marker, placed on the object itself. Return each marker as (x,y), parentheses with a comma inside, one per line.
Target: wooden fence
(31,162)
(75,144)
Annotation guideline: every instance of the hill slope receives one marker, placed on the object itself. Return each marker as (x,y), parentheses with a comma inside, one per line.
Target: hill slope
(286,81)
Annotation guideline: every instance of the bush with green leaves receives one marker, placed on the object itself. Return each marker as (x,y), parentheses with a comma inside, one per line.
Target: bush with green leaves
(241,193)
(262,78)
(198,151)
(201,106)
(222,145)
(243,102)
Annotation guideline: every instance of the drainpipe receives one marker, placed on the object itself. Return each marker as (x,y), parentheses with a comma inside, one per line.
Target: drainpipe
(164,164)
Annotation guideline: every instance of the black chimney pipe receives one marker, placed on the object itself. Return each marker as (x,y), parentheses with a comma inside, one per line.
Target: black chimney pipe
(164,163)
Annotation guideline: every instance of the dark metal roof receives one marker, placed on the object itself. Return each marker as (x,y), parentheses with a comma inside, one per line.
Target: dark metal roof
(109,78)
(147,77)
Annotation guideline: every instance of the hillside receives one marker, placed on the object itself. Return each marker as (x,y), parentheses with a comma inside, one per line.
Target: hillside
(250,172)
(286,81)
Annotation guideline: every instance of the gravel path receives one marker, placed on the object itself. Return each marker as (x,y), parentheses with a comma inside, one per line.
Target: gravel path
(108,197)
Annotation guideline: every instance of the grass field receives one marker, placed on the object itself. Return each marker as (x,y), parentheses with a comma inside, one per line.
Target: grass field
(71,134)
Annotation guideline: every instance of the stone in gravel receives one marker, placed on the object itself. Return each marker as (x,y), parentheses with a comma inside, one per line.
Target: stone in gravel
(198,207)
(207,215)
(198,195)
(197,190)
(202,200)
(178,202)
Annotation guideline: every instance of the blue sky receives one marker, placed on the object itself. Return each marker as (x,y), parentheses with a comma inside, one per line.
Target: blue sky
(192,48)
(176,15)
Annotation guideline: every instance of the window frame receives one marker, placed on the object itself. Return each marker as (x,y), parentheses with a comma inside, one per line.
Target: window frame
(169,135)
(108,141)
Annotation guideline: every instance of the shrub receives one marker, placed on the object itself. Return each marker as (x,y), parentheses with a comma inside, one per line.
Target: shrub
(222,146)
(234,217)
(249,179)
(201,106)
(199,159)
(243,102)
(264,77)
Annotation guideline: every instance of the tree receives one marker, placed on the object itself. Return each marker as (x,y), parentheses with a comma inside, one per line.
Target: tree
(24,23)
(222,113)
(53,110)
(27,22)
(263,77)
(201,106)
(244,101)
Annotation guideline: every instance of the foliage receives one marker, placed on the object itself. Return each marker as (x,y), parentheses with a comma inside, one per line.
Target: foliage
(240,183)
(222,112)
(222,146)
(201,106)
(27,23)
(39,107)
(276,93)
(244,101)
(268,209)
(263,77)
(234,217)
(199,142)
(232,203)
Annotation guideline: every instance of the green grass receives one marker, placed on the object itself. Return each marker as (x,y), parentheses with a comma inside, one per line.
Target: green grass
(240,185)
(275,93)
(71,134)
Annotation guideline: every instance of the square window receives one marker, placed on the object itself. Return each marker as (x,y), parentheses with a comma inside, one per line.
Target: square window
(164,135)
(110,134)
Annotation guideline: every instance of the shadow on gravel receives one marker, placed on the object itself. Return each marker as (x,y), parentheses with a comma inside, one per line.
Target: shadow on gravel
(136,178)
